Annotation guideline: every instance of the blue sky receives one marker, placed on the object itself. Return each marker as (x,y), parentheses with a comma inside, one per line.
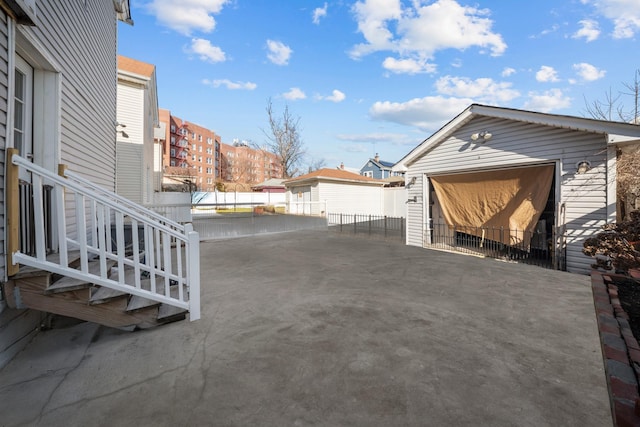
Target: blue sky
(378,76)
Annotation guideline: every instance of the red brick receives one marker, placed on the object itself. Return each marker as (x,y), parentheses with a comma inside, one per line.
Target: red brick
(622,390)
(634,354)
(615,354)
(625,414)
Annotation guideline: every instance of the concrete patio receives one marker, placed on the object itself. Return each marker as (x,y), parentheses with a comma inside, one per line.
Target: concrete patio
(314,328)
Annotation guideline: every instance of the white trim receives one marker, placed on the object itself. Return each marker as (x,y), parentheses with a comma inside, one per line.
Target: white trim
(612,197)
(47,99)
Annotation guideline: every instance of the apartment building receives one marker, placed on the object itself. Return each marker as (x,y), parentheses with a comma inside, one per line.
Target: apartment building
(191,156)
(240,163)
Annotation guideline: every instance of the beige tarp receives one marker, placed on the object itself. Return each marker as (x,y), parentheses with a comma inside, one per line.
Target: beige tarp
(511,198)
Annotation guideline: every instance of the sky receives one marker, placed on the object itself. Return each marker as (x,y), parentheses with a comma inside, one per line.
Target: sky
(378,76)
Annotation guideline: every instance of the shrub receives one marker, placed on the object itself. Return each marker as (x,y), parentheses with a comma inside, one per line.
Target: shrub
(617,245)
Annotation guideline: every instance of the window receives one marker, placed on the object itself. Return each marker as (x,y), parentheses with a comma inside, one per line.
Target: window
(173,140)
(200,138)
(200,159)
(200,149)
(199,169)
(173,128)
(173,162)
(368,173)
(193,157)
(173,152)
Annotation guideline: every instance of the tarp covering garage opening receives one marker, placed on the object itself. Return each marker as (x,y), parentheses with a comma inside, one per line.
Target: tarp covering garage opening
(509,198)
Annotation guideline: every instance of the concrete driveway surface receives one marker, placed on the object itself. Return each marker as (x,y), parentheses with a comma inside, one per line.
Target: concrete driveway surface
(314,328)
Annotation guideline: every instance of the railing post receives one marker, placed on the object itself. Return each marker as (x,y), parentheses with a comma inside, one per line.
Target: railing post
(194,275)
(13,211)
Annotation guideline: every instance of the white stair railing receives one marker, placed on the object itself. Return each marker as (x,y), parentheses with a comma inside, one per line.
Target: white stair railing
(161,255)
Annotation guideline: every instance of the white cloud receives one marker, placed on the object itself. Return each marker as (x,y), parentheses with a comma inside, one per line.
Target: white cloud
(408,66)
(547,101)
(230,85)
(625,15)
(294,94)
(589,30)
(416,31)
(186,16)
(547,74)
(482,89)
(336,96)
(588,72)
(427,114)
(319,12)
(279,53)
(380,137)
(206,51)
(508,71)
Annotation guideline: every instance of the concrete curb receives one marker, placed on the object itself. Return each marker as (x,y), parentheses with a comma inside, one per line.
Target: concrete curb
(620,351)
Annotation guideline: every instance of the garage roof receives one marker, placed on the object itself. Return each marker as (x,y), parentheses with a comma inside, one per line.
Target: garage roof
(615,132)
(327,174)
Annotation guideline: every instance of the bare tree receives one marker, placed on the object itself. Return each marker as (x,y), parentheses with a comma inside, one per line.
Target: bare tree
(612,107)
(316,164)
(285,140)
(628,159)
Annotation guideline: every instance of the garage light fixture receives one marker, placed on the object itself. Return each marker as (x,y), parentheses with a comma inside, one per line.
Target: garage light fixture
(583,167)
(483,136)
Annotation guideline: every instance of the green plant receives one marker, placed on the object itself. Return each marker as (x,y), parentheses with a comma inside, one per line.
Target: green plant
(617,245)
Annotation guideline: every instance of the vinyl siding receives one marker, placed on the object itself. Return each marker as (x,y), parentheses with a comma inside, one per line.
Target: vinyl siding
(130,176)
(351,198)
(518,143)
(129,173)
(82,39)
(4,82)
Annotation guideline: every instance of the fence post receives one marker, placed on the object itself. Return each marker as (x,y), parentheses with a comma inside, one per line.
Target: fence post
(355,224)
(385,226)
(341,223)
(401,227)
(369,225)
(13,212)
(194,275)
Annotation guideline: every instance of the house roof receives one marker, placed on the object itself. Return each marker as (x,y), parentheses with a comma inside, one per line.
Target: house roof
(135,67)
(381,164)
(615,132)
(327,174)
(273,182)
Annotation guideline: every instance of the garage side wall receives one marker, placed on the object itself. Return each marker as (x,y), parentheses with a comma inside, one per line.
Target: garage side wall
(352,198)
(514,144)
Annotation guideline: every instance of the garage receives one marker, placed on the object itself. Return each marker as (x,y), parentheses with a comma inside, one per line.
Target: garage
(516,185)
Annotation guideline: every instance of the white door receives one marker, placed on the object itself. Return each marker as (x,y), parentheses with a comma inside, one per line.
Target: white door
(23,110)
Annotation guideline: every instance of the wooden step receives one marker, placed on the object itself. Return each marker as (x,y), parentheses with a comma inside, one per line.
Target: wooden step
(70,284)
(102,294)
(169,313)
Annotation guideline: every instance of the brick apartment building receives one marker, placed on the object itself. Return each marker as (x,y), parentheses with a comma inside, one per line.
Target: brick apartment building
(194,157)
(246,165)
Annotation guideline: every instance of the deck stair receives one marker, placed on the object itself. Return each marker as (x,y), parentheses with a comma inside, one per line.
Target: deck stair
(119,264)
(66,296)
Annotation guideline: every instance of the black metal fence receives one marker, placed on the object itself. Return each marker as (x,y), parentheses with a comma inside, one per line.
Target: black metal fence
(374,226)
(528,247)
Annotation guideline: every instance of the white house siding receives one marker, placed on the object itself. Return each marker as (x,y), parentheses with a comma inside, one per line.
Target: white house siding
(4,84)
(81,37)
(517,143)
(129,172)
(83,41)
(351,198)
(132,158)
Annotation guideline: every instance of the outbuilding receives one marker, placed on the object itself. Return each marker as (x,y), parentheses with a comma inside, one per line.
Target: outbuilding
(515,184)
(336,191)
